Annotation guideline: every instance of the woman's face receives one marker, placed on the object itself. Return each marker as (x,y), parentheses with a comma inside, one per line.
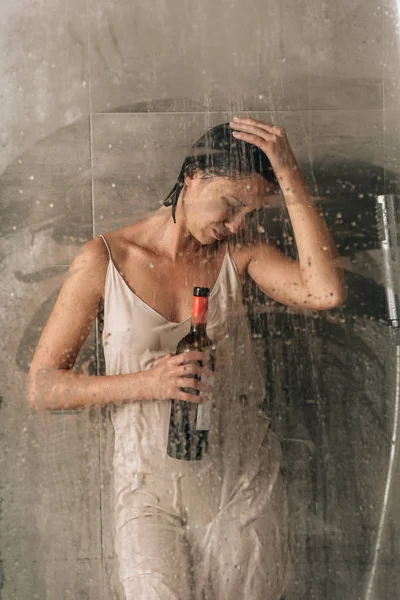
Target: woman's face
(217,207)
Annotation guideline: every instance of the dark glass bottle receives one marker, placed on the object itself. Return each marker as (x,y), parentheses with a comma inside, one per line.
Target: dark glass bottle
(189,422)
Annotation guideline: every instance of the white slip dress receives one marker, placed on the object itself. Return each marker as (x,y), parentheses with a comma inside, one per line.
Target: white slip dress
(212,529)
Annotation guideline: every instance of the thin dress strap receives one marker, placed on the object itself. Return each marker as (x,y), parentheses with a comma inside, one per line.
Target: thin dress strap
(107,246)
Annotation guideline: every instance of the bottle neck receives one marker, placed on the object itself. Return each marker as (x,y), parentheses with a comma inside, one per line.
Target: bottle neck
(200,328)
(199,314)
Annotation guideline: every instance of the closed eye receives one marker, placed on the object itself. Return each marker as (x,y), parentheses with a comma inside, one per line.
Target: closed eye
(232,207)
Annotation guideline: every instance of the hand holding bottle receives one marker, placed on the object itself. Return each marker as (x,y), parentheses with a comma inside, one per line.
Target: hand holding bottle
(170,374)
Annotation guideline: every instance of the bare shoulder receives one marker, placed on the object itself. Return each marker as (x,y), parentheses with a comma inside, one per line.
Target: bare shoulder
(93,252)
(91,263)
(75,309)
(131,236)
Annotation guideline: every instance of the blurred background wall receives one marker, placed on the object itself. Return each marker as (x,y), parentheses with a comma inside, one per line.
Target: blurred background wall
(99,103)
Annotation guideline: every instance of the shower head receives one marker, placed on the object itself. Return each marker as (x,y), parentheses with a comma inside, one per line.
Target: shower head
(388,224)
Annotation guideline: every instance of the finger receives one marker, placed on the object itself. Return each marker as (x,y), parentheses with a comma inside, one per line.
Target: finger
(189,369)
(165,357)
(192,355)
(251,138)
(275,129)
(190,397)
(189,382)
(253,122)
(206,389)
(254,129)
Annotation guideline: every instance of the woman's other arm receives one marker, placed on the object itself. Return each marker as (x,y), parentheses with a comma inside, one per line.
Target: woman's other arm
(52,383)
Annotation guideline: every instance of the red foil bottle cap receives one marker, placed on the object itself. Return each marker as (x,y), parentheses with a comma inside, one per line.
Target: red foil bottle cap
(199,309)
(200,304)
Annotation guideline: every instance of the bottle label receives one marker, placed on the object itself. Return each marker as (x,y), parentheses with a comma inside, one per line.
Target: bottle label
(203,421)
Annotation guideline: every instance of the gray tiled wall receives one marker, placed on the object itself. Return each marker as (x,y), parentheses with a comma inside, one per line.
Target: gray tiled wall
(100,101)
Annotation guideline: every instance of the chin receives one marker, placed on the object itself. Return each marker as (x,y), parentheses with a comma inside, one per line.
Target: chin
(209,241)
(206,239)
(202,239)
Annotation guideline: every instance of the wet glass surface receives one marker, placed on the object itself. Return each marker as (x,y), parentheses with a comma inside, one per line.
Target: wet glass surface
(100,111)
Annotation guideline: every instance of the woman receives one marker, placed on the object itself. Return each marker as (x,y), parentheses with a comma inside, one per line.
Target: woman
(212,529)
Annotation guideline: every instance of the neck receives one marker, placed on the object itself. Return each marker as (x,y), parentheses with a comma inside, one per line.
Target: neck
(173,239)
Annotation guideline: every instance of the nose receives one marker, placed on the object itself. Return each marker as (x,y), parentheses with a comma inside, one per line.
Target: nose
(236,224)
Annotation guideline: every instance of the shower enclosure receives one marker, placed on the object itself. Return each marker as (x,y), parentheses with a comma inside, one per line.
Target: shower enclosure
(100,102)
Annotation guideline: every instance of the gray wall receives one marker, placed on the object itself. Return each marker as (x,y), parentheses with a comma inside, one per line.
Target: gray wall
(99,103)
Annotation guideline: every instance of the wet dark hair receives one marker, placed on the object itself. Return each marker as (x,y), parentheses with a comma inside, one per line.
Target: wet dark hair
(219,154)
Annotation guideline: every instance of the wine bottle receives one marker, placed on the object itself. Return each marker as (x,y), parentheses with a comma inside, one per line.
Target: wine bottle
(190,422)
